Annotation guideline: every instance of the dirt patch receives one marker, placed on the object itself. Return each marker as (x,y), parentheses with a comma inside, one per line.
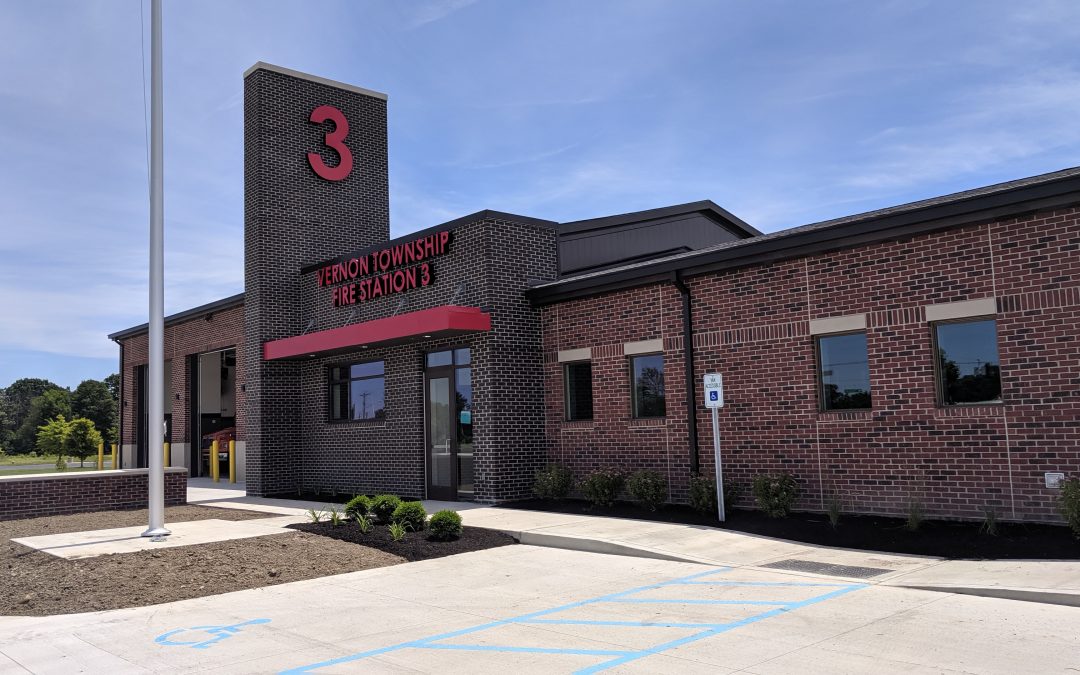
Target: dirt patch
(946,539)
(39,584)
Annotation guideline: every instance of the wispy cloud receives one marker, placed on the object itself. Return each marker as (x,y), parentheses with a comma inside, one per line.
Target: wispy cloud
(433,10)
(984,129)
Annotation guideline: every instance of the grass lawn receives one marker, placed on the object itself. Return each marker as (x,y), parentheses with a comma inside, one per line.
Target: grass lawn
(22,460)
(88,467)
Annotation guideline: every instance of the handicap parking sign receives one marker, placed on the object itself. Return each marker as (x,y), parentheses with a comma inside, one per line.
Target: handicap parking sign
(714,390)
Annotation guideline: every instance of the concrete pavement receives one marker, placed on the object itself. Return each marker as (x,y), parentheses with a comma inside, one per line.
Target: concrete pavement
(1048,581)
(528,609)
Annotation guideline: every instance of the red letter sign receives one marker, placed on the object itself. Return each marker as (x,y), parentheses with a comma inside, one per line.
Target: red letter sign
(335,140)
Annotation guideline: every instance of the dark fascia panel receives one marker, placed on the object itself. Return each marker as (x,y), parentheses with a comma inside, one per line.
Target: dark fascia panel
(180,317)
(706,206)
(486,214)
(1006,200)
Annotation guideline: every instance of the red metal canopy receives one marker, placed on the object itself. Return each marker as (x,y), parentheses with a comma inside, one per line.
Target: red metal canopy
(445,321)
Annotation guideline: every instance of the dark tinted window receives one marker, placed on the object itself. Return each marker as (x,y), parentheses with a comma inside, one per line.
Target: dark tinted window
(435,359)
(578,390)
(647,373)
(358,391)
(844,372)
(968,368)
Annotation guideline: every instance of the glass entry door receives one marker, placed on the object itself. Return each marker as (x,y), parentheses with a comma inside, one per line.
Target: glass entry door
(441,480)
(448,385)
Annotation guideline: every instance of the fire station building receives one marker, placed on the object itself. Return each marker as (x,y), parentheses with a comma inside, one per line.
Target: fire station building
(926,352)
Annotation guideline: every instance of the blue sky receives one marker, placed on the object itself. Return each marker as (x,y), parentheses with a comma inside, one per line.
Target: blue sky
(782,112)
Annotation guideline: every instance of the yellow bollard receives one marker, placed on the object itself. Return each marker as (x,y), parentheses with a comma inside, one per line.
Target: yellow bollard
(100,456)
(167,450)
(215,470)
(232,461)
(114,464)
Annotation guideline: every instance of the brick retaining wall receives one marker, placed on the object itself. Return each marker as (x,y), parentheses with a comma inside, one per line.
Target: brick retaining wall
(31,496)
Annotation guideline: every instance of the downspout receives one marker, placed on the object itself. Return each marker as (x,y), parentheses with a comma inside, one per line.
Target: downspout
(120,410)
(688,368)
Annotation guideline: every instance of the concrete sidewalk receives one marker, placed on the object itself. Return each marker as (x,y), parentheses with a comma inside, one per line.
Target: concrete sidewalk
(1047,581)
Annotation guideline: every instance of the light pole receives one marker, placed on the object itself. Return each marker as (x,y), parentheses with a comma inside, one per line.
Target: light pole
(155,397)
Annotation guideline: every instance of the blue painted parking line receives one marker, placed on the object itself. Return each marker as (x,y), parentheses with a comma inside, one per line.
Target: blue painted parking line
(702,630)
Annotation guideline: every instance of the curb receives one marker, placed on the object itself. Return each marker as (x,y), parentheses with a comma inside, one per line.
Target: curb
(1045,597)
(587,545)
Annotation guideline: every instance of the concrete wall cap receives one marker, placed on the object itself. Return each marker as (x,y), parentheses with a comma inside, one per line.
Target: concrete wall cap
(643,347)
(260,65)
(80,475)
(838,324)
(583,354)
(961,310)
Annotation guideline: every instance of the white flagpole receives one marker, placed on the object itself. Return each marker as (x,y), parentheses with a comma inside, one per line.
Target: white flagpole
(155,395)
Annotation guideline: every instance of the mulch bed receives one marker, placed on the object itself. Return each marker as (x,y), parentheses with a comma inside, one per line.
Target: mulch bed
(946,539)
(415,545)
(39,584)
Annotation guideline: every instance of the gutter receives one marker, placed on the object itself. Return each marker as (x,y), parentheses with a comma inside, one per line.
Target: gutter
(688,369)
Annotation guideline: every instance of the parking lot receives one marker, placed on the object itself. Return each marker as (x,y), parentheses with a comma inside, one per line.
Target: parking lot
(526,609)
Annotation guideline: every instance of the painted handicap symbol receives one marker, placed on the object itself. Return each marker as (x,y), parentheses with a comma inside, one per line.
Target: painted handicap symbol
(714,396)
(211,634)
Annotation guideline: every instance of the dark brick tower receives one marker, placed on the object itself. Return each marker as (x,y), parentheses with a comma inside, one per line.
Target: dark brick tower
(293,217)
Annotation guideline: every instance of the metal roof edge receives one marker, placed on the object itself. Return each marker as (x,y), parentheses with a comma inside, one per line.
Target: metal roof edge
(179,317)
(1055,190)
(702,206)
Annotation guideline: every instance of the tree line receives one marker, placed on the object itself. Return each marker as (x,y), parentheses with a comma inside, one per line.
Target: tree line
(37,415)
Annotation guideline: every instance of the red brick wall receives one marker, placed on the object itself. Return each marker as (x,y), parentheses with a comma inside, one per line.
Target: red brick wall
(48,495)
(752,324)
(219,330)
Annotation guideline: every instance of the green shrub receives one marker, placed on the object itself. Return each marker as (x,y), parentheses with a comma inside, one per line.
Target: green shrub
(365,523)
(445,525)
(732,492)
(602,487)
(410,514)
(775,493)
(553,482)
(336,518)
(915,516)
(648,487)
(397,531)
(989,524)
(315,516)
(703,494)
(358,506)
(1069,501)
(383,506)
(834,507)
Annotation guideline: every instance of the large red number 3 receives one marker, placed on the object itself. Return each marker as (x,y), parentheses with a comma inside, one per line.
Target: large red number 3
(335,140)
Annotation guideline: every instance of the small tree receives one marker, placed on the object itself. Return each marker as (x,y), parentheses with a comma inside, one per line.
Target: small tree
(82,439)
(52,439)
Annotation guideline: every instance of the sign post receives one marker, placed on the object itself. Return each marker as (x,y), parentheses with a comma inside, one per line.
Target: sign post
(714,400)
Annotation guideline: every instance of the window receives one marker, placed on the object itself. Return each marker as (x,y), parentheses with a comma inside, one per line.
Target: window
(968,369)
(578,379)
(843,372)
(647,377)
(357,392)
